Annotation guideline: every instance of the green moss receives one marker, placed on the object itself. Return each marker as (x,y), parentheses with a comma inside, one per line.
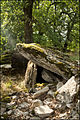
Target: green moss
(4,116)
(33,48)
(6,99)
(9,84)
(61,65)
(56,93)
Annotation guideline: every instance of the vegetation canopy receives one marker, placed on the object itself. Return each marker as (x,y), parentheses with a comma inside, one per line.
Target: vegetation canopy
(51,23)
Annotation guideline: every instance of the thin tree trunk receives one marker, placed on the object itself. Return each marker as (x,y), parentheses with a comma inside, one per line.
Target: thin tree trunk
(67,39)
(69,32)
(28,5)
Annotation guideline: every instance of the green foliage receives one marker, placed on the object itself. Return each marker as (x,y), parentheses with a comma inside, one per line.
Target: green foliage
(11,24)
(51,23)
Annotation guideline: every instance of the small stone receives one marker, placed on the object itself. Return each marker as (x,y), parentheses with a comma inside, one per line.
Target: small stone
(76,117)
(60,84)
(60,97)
(31,113)
(63,115)
(47,101)
(7,66)
(40,92)
(35,118)
(10,105)
(14,97)
(26,94)
(60,106)
(29,100)
(36,103)
(51,86)
(51,93)
(23,105)
(18,112)
(43,111)
(25,114)
(47,76)
(3,110)
(69,105)
(27,118)
(3,104)
(9,112)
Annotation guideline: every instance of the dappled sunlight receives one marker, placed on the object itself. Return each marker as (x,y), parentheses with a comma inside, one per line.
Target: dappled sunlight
(39,64)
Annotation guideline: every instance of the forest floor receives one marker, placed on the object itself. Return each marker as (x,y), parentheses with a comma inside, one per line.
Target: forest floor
(20,104)
(12,86)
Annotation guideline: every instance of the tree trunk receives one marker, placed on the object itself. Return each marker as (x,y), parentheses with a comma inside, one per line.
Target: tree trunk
(67,39)
(69,28)
(28,5)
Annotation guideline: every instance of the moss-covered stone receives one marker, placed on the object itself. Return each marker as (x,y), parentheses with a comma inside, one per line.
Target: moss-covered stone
(6,99)
(32,48)
(4,116)
(52,60)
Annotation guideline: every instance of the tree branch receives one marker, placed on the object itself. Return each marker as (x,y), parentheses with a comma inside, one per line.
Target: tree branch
(53,4)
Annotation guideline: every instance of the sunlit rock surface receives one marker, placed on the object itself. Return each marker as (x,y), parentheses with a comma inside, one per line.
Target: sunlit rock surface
(43,111)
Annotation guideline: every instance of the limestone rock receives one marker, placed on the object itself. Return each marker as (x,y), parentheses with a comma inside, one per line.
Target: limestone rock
(47,101)
(49,59)
(30,75)
(40,92)
(43,111)
(68,91)
(10,105)
(2,110)
(18,112)
(71,86)
(61,106)
(35,118)
(36,103)
(14,97)
(27,117)
(60,84)
(6,66)
(63,116)
(25,114)
(51,93)
(48,76)
(9,112)
(23,105)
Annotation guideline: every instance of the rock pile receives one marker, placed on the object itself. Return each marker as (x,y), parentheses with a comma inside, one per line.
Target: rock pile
(58,99)
(45,103)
